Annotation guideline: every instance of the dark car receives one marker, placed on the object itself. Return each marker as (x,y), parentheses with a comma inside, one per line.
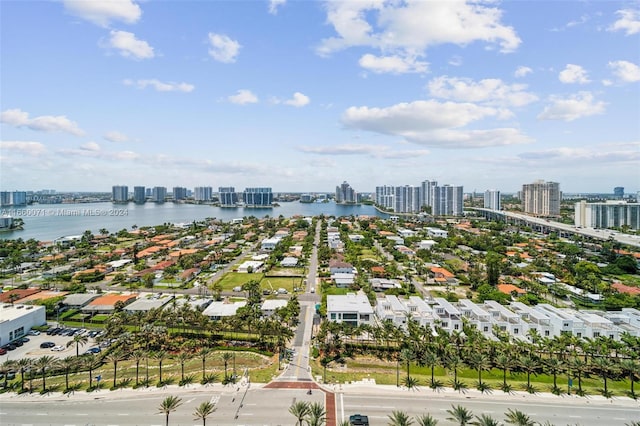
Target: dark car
(47,345)
(358,420)
(92,351)
(17,342)
(9,346)
(24,339)
(3,351)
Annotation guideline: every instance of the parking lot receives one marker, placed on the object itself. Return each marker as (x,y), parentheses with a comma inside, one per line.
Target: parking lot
(32,349)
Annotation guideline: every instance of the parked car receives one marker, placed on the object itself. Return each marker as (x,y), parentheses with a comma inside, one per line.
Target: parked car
(3,351)
(25,339)
(58,348)
(17,343)
(47,345)
(94,350)
(33,333)
(9,346)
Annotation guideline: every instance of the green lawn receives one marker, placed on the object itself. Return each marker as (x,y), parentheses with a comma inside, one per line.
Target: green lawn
(286,272)
(280,282)
(235,279)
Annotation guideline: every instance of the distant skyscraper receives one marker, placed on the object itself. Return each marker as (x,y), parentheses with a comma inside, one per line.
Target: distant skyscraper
(346,194)
(618,192)
(407,199)
(258,197)
(227,195)
(139,195)
(612,214)
(448,201)
(13,198)
(541,198)
(179,193)
(385,196)
(426,192)
(492,199)
(120,194)
(159,194)
(203,193)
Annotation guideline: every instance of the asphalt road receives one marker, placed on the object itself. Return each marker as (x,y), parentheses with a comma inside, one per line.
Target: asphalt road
(254,405)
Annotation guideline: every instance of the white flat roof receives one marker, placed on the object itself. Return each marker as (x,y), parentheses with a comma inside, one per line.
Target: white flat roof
(222,309)
(350,302)
(273,304)
(10,313)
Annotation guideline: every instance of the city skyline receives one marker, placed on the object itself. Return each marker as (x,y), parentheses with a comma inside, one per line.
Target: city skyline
(300,96)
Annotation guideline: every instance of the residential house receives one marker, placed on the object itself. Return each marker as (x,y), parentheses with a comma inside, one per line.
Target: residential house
(351,308)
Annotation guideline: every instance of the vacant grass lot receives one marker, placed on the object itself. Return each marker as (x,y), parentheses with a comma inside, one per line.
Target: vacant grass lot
(235,279)
(384,372)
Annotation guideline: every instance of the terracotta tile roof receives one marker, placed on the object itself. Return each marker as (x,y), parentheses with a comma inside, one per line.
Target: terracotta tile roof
(622,288)
(111,299)
(510,288)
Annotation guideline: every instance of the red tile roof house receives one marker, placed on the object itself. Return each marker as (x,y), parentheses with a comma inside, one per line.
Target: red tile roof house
(106,304)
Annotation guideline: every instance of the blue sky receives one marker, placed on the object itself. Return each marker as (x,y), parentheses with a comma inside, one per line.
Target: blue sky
(302,95)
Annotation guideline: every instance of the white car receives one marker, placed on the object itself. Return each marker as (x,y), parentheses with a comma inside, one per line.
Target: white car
(58,348)
(33,333)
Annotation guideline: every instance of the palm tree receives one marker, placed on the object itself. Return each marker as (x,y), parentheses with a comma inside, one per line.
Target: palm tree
(430,358)
(24,364)
(137,356)
(115,357)
(426,420)
(67,364)
(91,363)
(505,363)
(299,410)
(203,411)
(226,357)
(480,362)
(555,366)
(160,356)
(168,405)
(43,364)
(407,355)
(183,357)
(518,418)
(203,354)
(579,367)
(530,365)
(485,420)
(632,367)
(78,340)
(399,418)
(317,415)
(604,365)
(460,415)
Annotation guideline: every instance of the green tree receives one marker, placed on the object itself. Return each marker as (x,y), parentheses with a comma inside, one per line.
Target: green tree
(460,415)
(485,420)
(78,340)
(518,418)
(169,405)
(399,418)
(300,410)
(203,411)
(426,420)
(493,263)
(317,415)
(43,364)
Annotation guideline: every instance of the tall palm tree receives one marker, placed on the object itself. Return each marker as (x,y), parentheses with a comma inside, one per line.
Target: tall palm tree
(203,354)
(67,364)
(43,364)
(115,357)
(426,420)
(518,418)
(399,418)
(430,358)
(137,356)
(203,411)
(530,365)
(169,405)
(317,415)
(226,357)
(554,366)
(505,363)
(407,355)
(485,420)
(631,367)
(160,356)
(579,367)
(91,363)
(480,362)
(299,410)
(604,366)
(78,340)
(24,364)
(460,415)
(182,358)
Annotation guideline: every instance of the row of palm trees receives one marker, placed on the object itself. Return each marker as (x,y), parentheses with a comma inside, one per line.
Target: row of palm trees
(171,403)
(47,366)
(420,345)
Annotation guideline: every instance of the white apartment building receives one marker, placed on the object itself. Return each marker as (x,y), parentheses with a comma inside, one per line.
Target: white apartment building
(610,214)
(505,319)
(437,232)
(478,318)
(562,321)
(352,308)
(492,199)
(541,198)
(446,315)
(535,320)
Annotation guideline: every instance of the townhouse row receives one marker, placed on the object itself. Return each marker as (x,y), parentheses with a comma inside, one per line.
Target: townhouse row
(516,319)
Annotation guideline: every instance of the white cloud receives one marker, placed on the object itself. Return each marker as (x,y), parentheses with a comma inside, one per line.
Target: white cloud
(412,27)
(628,21)
(115,136)
(579,105)
(298,100)
(625,71)
(274,5)
(128,45)
(434,123)
(573,74)
(594,154)
(222,48)
(45,123)
(160,86)
(392,64)
(243,97)
(491,91)
(522,71)
(607,83)
(456,61)
(90,146)
(23,147)
(377,151)
(102,12)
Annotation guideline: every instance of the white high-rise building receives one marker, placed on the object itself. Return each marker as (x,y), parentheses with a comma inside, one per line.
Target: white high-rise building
(159,194)
(611,214)
(227,195)
(448,201)
(203,193)
(385,196)
(407,199)
(427,189)
(492,199)
(346,194)
(541,198)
